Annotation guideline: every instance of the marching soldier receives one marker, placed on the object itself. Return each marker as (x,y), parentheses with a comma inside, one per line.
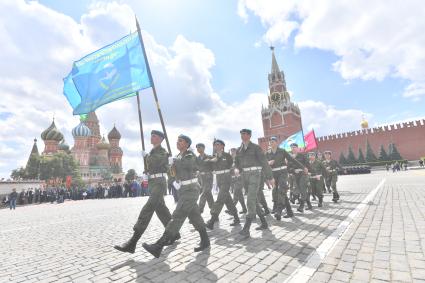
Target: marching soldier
(205,176)
(222,165)
(237,185)
(261,198)
(317,173)
(300,176)
(187,207)
(157,167)
(278,160)
(251,161)
(332,167)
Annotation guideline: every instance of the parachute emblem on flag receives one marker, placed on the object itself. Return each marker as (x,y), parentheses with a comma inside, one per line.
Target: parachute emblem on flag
(111,77)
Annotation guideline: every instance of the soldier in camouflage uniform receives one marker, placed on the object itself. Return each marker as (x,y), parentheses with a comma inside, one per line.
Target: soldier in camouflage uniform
(237,185)
(187,207)
(317,173)
(300,176)
(157,167)
(331,177)
(278,160)
(205,177)
(222,165)
(251,161)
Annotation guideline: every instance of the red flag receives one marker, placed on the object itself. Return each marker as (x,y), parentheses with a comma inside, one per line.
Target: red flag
(68,181)
(310,141)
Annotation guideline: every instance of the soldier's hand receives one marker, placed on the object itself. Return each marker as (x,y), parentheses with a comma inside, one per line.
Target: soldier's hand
(171,160)
(271,162)
(236,171)
(144,153)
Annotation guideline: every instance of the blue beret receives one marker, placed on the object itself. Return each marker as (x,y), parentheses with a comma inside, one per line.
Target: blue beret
(294,144)
(219,141)
(158,133)
(273,139)
(186,138)
(200,145)
(246,131)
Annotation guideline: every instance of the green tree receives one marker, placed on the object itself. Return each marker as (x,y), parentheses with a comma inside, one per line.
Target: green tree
(370,156)
(393,152)
(360,158)
(342,159)
(18,173)
(383,156)
(59,166)
(131,175)
(351,159)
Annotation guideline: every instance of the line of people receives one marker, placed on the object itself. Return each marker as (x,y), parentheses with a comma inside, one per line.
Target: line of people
(246,167)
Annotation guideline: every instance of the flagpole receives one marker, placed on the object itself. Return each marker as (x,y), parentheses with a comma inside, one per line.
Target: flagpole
(153,87)
(141,131)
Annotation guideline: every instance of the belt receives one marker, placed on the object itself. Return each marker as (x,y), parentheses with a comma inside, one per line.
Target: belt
(298,170)
(315,176)
(279,168)
(188,182)
(157,175)
(333,170)
(221,171)
(255,168)
(204,173)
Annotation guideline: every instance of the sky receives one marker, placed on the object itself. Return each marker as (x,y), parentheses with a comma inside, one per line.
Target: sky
(210,61)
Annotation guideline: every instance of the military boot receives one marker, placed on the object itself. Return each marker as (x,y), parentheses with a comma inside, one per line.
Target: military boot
(309,206)
(263,225)
(205,241)
(173,240)
(130,245)
(245,230)
(335,197)
(301,207)
(210,223)
(320,201)
(289,212)
(236,220)
(156,249)
(244,210)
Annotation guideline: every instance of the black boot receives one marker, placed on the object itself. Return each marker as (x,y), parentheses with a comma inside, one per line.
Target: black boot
(309,206)
(314,197)
(245,230)
(210,223)
(320,201)
(289,212)
(301,207)
(130,245)
(292,198)
(263,225)
(156,249)
(335,197)
(205,241)
(236,220)
(243,211)
(173,240)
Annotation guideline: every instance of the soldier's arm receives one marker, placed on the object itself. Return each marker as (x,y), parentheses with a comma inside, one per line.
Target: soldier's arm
(295,163)
(267,170)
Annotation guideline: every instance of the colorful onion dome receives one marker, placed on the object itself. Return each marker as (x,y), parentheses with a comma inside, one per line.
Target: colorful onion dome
(103,144)
(51,133)
(81,131)
(114,134)
(63,145)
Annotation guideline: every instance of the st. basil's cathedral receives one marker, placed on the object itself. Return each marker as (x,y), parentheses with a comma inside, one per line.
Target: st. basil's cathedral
(95,156)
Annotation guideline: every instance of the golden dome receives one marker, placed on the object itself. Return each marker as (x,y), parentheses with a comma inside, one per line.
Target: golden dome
(364,124)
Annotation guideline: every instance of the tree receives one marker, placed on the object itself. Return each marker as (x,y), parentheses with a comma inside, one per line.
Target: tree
(383,156)
(342,159)
(360,158)
(393,152)
(370,156)
(351,159)
(58,166)
(18,173)
(131,175)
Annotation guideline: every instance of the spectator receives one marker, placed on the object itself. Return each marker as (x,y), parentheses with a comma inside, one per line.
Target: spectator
(12,199)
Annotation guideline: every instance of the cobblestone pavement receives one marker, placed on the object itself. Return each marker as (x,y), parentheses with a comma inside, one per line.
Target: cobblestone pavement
(72,242)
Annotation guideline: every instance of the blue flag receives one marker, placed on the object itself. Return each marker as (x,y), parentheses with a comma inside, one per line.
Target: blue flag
(114,72)
(295,138)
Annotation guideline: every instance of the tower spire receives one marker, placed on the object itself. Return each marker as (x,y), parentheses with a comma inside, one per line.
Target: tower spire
(275,66)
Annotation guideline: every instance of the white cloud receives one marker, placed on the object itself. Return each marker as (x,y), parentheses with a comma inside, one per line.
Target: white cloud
(373,39)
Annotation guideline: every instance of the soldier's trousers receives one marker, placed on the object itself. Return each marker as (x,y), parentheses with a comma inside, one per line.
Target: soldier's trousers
(281,187)
(261,198)
(238,195)
(206,192)
(301,183)
(317,186)
(331,182)
(251,181)
(187,207)
(155,203)
(223,198)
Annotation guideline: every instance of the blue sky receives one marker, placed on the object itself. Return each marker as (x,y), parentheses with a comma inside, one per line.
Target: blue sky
(210,61)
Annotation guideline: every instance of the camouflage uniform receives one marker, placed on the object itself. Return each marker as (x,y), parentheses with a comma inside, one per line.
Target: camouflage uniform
(317,173)
(300,178)
(331,176)
(206,181)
